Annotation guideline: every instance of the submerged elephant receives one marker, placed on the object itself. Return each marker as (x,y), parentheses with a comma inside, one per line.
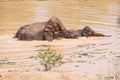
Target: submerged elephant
(85,32)
(88,32)
(40,30)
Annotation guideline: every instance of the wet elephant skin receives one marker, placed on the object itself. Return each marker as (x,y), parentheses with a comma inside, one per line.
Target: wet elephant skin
(40,30)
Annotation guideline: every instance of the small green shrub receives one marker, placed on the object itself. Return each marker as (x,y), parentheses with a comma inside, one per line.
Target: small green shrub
(49,58)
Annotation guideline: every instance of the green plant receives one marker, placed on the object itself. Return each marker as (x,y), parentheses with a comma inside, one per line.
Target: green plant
(49,58)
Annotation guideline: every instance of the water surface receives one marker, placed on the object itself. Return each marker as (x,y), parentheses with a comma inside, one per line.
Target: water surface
(74,14)
(101,15)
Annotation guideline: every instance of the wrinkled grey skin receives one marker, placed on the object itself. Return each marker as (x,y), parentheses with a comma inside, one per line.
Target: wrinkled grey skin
(71,34)
(88,32)
(68,34)
(85,32)
(18,33)
(40,30)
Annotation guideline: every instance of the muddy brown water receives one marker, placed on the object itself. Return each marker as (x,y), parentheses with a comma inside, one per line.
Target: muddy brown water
(101,15)
(72,13)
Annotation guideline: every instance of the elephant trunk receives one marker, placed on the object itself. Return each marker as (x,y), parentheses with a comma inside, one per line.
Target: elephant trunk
(61,26)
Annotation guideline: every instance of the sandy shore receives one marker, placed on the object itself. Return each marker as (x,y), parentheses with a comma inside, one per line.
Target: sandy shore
(40,76)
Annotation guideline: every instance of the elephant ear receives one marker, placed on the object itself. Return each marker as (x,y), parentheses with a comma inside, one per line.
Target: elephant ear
(59,23)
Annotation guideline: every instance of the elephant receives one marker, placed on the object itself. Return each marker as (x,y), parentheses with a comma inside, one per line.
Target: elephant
(41,30)
(85,32)
(88,32)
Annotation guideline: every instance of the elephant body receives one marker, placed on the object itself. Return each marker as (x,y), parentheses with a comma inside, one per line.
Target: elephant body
(18,33)
(85,32)
(71,34)
(68,34)
(33,31)
(40,30)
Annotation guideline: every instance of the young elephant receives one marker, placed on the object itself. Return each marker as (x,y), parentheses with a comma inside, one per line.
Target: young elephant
(40,30)
(88,32)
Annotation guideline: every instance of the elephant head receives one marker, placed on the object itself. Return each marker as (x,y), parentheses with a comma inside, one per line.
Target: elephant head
(87,31)
(55,25)
(54,28)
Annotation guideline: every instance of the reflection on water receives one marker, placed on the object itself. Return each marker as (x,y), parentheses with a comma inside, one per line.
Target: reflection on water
(74,14)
